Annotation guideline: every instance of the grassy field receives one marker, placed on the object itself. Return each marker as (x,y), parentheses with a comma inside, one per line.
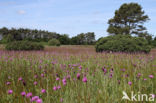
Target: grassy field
(74,74)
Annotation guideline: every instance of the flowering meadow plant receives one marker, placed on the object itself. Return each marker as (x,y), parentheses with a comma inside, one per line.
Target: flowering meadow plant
(74,74)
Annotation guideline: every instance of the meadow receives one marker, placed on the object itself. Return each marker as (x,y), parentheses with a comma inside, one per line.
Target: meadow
(74,74)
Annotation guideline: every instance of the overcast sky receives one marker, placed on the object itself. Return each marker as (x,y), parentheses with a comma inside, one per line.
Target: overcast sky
(68,16)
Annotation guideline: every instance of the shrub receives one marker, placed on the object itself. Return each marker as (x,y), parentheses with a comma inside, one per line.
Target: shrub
(122,43)
(54,42)
(24,45)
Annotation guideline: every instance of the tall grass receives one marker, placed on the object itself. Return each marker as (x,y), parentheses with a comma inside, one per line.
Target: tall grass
(107,75)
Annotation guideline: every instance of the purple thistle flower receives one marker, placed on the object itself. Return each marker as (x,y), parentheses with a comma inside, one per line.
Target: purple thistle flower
(43,91)
(54,88)
(20,78)
(57,79)
(23,93)
(78,75)
(64,81)
(151,76)
(10,91)
(8,83)
(138,75)
(35,83)
(35,98)
(130,83)
(42,75)
(39,101)
(104,70)
(68,76)
(84,79)
(111,75)
(24,83)
(80,67)
(58,87)
(29,95)
(145,79)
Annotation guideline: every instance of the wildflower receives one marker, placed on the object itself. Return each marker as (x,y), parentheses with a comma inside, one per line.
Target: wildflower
(151,76)
(8,83)
(68,76)
(104,70)
(84,79)
(10,91)
(35,83)
(29,95)
(145,79)
(139,74)
(39,101)
(111,75)
(42,75)
(54,88)
(35,98)
(130,83)
(24,83)
(43,91)
(58,87)
(57,78)
(64,81)
(23,93)
(80,67)
(20,78)
(78,75)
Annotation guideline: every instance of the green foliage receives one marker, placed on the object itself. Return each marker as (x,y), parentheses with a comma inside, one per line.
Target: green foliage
(45,36)
(64,39)
(29,34)
(122,43)
(7,38)
(24,45)
(128,19)
(54,42)
(83,39)
(153,43)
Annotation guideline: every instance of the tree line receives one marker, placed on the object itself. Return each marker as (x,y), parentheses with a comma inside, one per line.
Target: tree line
(35,35)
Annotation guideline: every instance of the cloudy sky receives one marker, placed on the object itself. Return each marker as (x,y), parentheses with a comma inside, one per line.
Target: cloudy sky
(68,16)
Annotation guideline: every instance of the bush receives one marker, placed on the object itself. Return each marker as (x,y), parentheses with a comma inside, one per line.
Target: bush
(122,43)
(54,42)
(24,45)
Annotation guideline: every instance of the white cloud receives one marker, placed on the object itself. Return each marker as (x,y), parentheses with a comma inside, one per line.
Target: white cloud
(21,12)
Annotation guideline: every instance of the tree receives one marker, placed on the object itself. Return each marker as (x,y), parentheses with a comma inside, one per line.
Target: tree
(90,38)
(64,39)
(128,20)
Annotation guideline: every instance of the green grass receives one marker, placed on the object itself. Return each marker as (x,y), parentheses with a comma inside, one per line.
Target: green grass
(64,62)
